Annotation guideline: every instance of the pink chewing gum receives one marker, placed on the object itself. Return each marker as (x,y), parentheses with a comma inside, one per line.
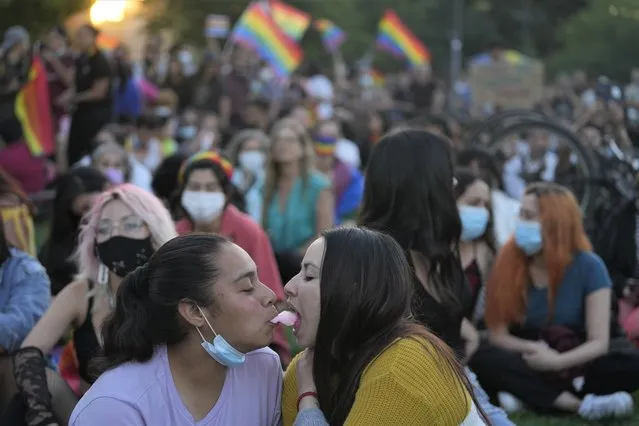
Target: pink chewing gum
(285,317)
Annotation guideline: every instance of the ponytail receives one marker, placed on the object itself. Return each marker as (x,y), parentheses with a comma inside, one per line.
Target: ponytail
(146,313)
(127,332)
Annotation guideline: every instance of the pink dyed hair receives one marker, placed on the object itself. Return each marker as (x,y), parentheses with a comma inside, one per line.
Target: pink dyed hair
(143,204)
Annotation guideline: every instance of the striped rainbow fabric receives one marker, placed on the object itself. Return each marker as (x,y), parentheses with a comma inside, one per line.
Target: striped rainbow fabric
(292,21)
(395,38)
(256,29)
(332,35)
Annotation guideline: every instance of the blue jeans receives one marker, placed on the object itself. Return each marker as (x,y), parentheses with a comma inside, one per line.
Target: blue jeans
(496,415)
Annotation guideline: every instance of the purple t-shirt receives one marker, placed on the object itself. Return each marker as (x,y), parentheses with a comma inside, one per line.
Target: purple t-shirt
(135,394)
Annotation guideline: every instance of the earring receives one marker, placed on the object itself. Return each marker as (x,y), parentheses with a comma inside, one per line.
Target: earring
(103,275)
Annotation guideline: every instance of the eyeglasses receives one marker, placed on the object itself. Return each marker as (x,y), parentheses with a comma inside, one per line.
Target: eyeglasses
(126,226)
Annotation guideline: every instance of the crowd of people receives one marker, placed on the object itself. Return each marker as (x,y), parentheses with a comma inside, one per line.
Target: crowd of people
(429,282)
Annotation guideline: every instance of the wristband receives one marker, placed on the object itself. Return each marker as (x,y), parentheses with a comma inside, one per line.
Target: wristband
(304,395)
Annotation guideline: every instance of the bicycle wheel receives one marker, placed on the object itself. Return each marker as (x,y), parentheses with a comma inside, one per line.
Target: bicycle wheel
(499,121)
(585,164)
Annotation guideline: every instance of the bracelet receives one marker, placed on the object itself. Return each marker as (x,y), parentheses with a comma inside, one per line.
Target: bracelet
(304,395)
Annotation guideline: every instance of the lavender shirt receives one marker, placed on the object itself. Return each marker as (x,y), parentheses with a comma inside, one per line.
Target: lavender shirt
(145,394)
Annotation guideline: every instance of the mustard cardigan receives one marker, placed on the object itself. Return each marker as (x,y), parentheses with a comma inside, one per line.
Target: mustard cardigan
(405,385)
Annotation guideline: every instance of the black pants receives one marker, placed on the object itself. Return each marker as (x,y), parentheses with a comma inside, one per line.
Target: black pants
(499,370)
(85,125)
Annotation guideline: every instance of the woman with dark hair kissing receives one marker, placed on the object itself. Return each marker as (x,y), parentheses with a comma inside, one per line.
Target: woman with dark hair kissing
(367,363)
(174,350)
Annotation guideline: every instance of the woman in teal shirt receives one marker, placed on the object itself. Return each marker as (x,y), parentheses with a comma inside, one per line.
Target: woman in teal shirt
(298,201)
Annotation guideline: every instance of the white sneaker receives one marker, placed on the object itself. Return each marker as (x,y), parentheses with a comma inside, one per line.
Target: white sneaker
(619,404)
(510,403)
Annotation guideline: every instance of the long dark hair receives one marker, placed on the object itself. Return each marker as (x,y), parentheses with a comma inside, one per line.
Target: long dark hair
(68,187)
(366,289)
(408,194)
(146,308)
(465,178)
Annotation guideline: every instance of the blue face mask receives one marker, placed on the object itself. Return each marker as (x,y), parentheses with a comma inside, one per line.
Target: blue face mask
(528,237)
(221,350)
(474,222)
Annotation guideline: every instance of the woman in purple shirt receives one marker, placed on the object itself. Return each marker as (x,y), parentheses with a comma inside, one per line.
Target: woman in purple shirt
(186,344)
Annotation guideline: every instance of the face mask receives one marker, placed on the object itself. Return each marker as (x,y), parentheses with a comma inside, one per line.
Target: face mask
(203,207)
(187,132)
(115,176)
(528,237)
(252,160)
(221,350)
(123,255)
(474,221)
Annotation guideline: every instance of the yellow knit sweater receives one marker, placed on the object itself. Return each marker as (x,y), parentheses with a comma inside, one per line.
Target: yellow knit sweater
(405,385)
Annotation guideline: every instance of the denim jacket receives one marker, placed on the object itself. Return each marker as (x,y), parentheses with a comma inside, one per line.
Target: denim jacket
(25,292)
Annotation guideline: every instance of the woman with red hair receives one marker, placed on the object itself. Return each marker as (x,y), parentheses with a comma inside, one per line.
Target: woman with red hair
(548,312)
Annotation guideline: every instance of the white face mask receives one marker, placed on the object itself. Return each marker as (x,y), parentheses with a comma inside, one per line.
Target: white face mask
(252,160)
(203,207)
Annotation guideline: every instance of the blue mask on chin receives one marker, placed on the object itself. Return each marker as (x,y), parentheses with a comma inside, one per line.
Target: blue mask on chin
(474,221)
(221,350)
(528,237)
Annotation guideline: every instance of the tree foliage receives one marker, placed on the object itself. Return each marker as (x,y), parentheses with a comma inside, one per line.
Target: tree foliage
(601,39)
(572,32)
(38,15)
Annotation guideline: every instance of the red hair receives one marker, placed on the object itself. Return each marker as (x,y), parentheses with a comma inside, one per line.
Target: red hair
(563,237)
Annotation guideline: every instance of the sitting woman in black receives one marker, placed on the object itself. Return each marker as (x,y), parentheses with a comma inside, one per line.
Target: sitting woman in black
(408,194)
(76,193)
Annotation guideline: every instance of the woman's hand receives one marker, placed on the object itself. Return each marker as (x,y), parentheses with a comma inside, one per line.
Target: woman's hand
(306,391)
(305,381)
(544,359)
(471,339)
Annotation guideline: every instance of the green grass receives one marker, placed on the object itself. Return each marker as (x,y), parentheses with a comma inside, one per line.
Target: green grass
(528,419)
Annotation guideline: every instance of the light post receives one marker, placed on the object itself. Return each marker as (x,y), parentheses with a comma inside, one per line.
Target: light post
(456,45)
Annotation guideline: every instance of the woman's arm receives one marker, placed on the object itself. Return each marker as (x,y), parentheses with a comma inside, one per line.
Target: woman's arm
(98,91)
(67,309)
(28,299)
(597,330)
(471,338)
(500,336)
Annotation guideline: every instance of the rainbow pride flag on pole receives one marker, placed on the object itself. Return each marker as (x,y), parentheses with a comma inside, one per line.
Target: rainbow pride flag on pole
(256,29)
(395,38)
(292,21)
(33,109)
(332,35)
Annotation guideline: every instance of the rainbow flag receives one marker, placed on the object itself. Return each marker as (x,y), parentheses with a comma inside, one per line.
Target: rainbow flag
(33,109)
(377,77)
(256,29)
(292,21)
(398,40)
(332,35)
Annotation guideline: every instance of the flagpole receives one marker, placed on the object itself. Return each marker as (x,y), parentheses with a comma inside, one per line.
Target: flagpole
(456,46)
(229,45)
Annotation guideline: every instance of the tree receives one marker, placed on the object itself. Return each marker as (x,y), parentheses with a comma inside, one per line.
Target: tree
(38,16)
(601,39)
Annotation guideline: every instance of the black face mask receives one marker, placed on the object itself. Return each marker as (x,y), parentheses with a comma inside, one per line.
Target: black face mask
(123,255)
